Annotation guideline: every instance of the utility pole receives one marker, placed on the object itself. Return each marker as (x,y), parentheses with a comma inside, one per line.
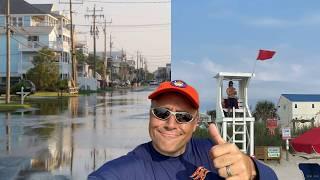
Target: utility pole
(72,51)
(94,32)
(122,54)
(8,22)
(73,58)
(110,55)
(110,46)
(141,67)
(145,70)
(105,49)
(137,66)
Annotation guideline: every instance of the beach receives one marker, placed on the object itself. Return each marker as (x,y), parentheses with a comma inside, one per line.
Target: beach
(289,170)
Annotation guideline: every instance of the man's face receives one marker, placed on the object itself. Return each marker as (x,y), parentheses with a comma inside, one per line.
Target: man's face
(168,136)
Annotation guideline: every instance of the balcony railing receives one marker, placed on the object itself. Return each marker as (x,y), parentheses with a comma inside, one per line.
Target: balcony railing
(30,46)
(36,46)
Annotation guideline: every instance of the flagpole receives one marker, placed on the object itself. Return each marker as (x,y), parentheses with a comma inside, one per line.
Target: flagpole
(263,55)
(254,67)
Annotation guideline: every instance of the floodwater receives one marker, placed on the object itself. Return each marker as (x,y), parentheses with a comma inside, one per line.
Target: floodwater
(70,137)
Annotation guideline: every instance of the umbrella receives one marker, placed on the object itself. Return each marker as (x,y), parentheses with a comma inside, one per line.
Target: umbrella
(308,142)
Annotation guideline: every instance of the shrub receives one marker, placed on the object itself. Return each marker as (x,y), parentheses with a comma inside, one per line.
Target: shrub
(62,84)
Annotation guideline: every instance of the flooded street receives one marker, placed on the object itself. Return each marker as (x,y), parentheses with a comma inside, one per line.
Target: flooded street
(69,138)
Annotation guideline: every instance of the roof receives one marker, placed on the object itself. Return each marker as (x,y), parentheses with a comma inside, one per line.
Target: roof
(21,7)
(302,97)
(234,75)
(47,8)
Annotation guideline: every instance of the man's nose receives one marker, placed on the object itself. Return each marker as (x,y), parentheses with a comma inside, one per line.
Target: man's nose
(171,122)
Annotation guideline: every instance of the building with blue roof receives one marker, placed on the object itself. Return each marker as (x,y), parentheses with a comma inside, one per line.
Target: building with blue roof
(299,110)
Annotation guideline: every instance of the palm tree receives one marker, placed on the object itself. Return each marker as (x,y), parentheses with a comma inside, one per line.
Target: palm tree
(264,110)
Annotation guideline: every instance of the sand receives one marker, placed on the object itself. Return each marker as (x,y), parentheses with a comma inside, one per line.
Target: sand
(289,169)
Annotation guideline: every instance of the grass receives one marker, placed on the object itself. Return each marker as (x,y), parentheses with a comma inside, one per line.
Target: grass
(201,133)
(52,94)
(261,136)
(13,107)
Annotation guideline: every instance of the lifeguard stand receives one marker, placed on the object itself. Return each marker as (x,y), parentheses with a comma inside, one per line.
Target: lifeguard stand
(238,128)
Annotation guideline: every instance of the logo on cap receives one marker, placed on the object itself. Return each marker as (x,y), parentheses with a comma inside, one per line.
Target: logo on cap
(179,83)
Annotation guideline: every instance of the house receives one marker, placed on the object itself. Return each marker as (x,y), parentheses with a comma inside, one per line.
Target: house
(298,110)
(163,73)
(34,27)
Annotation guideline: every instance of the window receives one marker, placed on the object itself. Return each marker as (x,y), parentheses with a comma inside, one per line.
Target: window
(14,21)
(312,105)
(295,105)
(33,42)
(17,21)
(33,38)
(20,21)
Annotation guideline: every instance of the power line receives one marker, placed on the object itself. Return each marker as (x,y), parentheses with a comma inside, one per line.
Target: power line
(37,42)
(130,2)
(94,32)
(41,44)
(131,25)
(28,46)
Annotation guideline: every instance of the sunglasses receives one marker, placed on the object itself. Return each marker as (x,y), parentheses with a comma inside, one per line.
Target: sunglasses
(164,114)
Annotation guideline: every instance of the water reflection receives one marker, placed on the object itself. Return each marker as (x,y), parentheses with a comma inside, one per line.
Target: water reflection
(8,133)
(68,138)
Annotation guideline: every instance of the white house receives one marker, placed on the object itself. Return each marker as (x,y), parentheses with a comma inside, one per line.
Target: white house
(34,27)
(298,110)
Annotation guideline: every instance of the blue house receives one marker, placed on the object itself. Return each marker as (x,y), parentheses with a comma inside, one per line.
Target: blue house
(34,27)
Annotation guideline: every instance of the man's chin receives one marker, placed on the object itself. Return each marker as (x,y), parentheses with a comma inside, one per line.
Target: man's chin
(168,148)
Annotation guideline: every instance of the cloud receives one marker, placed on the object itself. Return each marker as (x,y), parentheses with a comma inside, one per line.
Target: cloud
(269,22)
(210,66)
(220,13)
(310,19)
(188,62)
(273,77)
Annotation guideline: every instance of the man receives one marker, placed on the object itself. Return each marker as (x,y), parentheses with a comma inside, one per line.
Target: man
(232,97)
(173,153)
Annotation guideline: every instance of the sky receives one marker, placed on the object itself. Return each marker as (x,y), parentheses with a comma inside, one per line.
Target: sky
(211,36)
(144,26)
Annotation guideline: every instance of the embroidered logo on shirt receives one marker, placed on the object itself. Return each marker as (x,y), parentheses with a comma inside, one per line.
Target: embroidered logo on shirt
(200,173)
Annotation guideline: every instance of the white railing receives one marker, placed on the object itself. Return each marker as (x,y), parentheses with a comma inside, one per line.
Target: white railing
(36,46)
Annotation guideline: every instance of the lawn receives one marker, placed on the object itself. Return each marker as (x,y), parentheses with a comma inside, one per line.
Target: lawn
(52,94)
(13,107)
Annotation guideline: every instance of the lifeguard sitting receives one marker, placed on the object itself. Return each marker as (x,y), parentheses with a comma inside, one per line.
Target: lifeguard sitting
(232,98)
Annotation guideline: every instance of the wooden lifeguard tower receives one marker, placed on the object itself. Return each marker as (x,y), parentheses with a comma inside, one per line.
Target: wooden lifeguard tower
(238,127)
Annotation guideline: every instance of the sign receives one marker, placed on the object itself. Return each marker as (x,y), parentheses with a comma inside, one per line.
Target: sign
(286,133)
(273,152)
(272,123)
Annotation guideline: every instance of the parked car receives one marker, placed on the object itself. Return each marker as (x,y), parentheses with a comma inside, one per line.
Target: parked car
(16,87)
(153,83)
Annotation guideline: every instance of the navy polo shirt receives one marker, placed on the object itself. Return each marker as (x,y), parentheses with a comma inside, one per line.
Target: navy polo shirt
(144,162)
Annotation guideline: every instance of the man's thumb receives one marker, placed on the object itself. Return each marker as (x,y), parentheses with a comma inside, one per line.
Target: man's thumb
(215,135)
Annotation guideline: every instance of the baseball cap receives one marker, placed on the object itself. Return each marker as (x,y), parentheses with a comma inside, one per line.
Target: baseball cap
(178,86)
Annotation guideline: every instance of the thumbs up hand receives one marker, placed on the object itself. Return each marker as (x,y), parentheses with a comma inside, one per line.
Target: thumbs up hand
(229,161)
